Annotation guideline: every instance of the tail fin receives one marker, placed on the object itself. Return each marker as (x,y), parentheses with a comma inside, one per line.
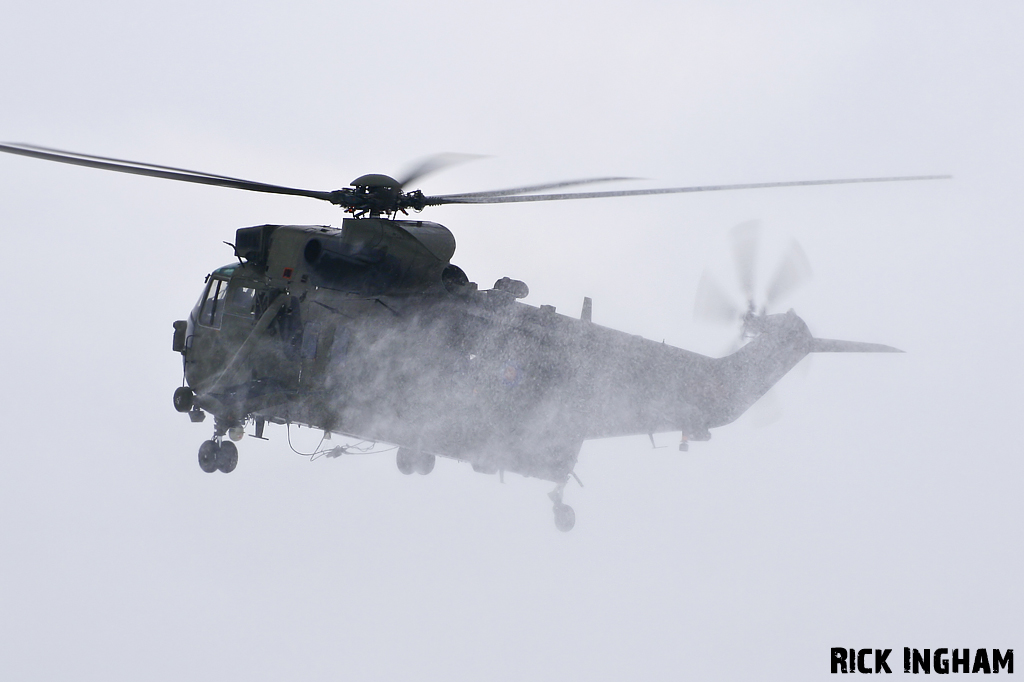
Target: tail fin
(834,346)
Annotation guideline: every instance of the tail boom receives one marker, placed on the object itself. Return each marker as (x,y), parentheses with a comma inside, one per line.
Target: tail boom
(746,375)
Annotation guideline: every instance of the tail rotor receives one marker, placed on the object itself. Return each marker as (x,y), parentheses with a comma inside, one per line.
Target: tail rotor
(715,306)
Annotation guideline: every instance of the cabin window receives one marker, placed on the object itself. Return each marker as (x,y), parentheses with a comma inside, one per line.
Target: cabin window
(213,306)
(240,301)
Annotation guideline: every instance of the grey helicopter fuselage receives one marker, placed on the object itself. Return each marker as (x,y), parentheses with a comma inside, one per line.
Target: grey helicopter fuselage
(370,331)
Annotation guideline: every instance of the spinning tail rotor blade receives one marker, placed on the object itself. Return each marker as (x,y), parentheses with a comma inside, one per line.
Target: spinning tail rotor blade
(793,271)
(712,304)
(744,251)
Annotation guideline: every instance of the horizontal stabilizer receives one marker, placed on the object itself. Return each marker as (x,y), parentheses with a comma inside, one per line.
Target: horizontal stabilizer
(834,346)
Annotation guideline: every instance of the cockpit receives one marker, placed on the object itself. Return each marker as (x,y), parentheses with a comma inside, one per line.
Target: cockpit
(224,297)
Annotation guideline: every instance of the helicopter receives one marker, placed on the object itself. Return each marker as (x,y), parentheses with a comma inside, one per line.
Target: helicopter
(371,332)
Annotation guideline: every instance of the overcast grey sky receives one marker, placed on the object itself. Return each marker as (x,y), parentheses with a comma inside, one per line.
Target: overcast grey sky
(882,510)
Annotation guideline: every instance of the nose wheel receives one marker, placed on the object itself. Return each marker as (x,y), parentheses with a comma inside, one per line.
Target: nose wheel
(214,456)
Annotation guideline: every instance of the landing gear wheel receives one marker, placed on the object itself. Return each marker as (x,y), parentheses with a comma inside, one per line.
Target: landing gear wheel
(184,398)
(208,456)
(406,460)
(425,463)
(565,517)
(227,457)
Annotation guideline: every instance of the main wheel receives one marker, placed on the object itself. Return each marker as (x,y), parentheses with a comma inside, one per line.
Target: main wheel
(425,463)
(208,456)
(406,460)
(227,457)
(184,398)
(565,517)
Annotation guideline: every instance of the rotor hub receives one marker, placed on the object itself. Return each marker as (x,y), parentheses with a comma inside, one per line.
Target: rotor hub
(375,194)
(376,180)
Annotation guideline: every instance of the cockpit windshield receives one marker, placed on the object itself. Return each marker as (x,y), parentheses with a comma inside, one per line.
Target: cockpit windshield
(211,311)
(225,297)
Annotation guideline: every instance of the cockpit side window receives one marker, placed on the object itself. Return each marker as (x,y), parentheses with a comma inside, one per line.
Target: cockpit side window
(240,301)
(212,310)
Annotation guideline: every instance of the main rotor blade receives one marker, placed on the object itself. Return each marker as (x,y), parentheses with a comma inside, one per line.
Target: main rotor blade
(532,188)
(744,251)
(155,171)
(434,163)
(793,271)
(454,199)
(712,304)
(141,164)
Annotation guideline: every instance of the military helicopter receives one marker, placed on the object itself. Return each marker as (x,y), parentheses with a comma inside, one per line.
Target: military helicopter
(370,331)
